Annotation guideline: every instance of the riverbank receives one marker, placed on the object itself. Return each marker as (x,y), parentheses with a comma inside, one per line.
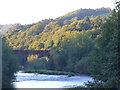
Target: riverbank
(50,72)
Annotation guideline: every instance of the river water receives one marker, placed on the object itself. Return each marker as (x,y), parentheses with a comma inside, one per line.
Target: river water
(32,80)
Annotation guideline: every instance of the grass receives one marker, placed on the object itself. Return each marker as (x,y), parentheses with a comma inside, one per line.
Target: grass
(50,72)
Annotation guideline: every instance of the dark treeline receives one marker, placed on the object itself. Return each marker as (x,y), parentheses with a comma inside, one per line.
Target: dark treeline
(86,45)
(105,57)
(10,65)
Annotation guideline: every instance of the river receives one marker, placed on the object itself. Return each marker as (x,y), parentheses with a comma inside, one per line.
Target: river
(32,80)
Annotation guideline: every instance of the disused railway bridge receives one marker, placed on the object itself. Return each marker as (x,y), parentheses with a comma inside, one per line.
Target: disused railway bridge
(24,54)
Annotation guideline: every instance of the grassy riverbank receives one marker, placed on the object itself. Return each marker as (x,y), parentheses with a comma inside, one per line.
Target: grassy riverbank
(50,72)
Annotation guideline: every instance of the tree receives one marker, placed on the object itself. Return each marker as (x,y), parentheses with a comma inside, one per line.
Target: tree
(71,49)
(106,56)
(9,65)
(82,66)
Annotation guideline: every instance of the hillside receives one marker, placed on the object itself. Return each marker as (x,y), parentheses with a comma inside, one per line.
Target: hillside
(70,41)
(49,32)
(82,42)
(81,13)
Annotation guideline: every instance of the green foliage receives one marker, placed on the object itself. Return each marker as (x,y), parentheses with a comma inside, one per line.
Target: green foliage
(81,13)
(69,38)
(77,43)
(50,72)
(48,33)
(82,66)
(0,60)
(40,63)
(71,49)
(105,59)
(9,65)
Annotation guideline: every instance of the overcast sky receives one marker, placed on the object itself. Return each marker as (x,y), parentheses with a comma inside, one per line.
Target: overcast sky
(31,11)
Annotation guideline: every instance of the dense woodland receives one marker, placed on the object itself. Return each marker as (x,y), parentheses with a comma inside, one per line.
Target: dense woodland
(84,41)
(69,38)
(48,33)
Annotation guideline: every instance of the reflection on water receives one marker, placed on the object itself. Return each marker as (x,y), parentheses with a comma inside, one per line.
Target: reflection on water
(31,80)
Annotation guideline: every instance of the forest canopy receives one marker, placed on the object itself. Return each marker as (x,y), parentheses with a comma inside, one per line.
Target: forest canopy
(84,41)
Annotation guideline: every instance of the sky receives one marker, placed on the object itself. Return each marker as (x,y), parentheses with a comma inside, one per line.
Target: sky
(32,11)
